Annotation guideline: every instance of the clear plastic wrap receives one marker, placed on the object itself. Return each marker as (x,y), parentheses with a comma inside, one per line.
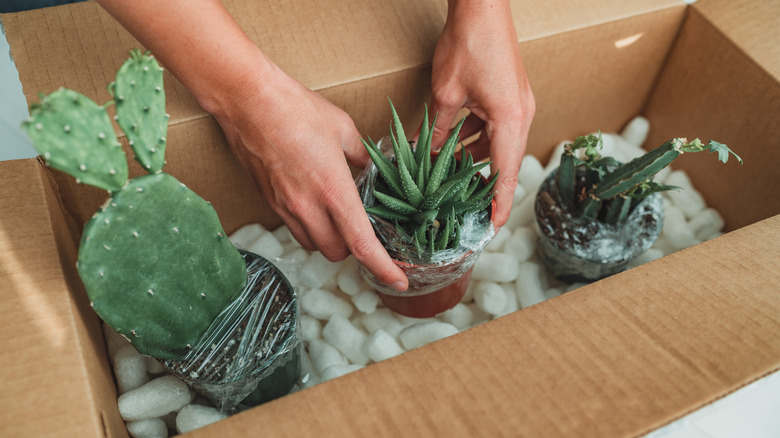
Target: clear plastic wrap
(427,272)
(575,248)
(251,353)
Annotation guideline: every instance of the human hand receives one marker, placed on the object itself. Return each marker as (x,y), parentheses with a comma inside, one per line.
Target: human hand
(477,65)
(296,145)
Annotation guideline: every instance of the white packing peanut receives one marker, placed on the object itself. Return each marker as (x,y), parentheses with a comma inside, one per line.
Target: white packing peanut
(520,194)
(675,228)
(154,399)
(424,333)
(647,256)
(307,366)
(347,338)
(349,279)
(511,300)
(324,355)
(193,417)
(531,173)
(382,319)
(317,270)
(298,255)
(266,246)
(153,366)
(609,146)
(498,240)
(627,150)
(366,301)
(244,236)
(323,304)
(688,199)
(406,321)
(522,243)
(129,369)
(663,245)
(311,328)
(461,316)
(480,315)
(635,131)
(490,297)
(706,224)
(523,213)
(552,292)
(338,370)
(114,341)
(498,267)
(282,234)
(529,284)
(150,428)
(381,345)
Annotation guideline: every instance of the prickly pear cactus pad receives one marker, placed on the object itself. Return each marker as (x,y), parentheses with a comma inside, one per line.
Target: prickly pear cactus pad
(75,135)
(140,108)
(157,265)
(154,260)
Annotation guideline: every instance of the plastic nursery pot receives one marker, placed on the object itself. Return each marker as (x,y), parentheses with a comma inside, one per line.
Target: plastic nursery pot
(251,353)
(434,287)
(578,249)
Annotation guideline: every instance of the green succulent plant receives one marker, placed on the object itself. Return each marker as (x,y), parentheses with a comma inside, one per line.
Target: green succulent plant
(156,264)
(427,197)
(601,188)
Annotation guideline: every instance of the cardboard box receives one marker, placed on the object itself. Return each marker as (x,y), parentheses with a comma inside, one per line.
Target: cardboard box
(620,357)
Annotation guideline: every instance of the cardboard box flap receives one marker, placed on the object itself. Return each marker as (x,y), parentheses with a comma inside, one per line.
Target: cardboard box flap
(711,88)
(51,346)
(752,26)
(620,357)
(80,46)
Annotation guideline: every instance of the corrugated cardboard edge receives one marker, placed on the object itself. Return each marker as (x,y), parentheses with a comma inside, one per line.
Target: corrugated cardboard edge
(52,342)
(620,357)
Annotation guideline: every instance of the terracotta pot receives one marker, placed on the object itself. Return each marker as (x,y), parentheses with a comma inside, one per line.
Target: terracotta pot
(433,288)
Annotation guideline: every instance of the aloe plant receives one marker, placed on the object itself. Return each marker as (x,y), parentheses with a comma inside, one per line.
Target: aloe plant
(156,264)
(427,198)
(611,190)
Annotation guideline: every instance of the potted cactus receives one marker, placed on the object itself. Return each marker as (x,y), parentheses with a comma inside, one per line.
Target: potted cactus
(594,214)
(154,260)
(431,211)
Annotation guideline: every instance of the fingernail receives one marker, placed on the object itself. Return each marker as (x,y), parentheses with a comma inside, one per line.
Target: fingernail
(400,286)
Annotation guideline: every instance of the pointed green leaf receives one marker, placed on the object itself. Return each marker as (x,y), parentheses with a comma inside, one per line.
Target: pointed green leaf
(385,167)
(395,204)
(442,164)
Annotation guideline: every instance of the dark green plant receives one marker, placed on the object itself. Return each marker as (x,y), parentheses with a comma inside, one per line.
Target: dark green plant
(601,188)
(155,261)
(427,198)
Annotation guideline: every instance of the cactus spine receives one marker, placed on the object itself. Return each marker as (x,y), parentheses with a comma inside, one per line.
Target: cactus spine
(608,190)
(154,260)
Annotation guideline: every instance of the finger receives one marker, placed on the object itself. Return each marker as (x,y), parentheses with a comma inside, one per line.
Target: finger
(353,224)
(324,234)
(506,153)
(298,232)
(354,151)
(445,115)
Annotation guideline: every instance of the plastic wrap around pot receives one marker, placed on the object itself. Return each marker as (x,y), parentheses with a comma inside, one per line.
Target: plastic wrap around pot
(576,248)
(251,353)
(427,271)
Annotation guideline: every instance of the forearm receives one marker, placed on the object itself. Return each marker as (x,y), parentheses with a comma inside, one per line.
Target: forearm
(200,43)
